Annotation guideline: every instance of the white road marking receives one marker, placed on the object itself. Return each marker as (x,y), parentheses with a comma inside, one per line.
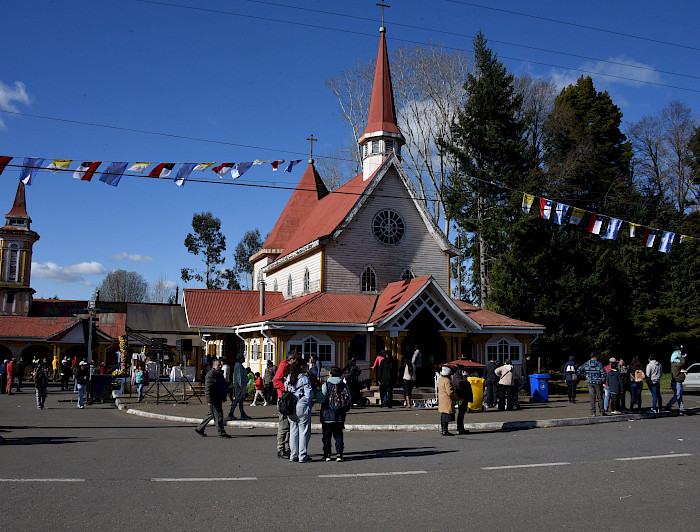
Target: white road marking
(652,457)
(387,474)
(204,479)
(42,480)
(520,466)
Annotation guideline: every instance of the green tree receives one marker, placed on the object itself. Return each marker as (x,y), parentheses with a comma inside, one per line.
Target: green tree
(207,240)
(249,245)
(488,148)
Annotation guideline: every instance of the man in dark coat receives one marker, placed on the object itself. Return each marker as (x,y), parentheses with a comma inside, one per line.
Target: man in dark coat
(386,375)
(215,392)
(491,382)
(463,390)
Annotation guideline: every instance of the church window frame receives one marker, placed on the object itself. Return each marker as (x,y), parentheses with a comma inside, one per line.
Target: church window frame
(388,227)
(307,281)
(275,286)
(255,349)
(268,350)
(289,286)
(368,279)
(13,270)
(376,146)
(325,351)
(407,274)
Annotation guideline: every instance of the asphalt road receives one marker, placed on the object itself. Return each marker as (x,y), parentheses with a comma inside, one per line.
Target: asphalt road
(99,468)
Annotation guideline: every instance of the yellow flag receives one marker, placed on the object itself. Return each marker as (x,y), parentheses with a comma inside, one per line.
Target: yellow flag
(59,164)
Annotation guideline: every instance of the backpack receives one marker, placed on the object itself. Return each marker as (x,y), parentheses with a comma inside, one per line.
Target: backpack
(571,368)
(287,403)
(338,397)
(639,375)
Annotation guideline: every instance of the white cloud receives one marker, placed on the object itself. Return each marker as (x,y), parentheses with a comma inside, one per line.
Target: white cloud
(134,257)
(9,95)
(619,70)
(73,273)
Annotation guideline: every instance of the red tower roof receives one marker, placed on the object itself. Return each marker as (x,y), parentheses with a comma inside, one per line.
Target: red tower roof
(382,113)
(19,208)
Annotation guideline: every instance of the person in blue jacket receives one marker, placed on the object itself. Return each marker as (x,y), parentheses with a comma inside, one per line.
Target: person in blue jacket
(571,377)
(299,384)
(595,375)
(333,415)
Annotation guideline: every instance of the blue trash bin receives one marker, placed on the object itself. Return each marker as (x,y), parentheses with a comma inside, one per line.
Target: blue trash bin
(539,387)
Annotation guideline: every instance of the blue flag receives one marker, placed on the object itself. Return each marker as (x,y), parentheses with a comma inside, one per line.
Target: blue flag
(29,169)
(113,173)
(183,173)
(560,213)
(613,228)
(291,165)
(240,169)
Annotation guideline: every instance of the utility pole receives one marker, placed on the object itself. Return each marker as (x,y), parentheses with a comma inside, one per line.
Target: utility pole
(91,312)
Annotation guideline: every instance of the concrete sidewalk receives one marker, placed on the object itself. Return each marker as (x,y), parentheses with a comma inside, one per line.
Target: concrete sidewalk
(557,413)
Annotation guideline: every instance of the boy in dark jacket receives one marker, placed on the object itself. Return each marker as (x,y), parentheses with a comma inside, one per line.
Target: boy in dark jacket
(215,390)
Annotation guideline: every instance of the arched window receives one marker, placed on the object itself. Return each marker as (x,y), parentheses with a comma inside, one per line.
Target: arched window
(324,350)
(407,274)
(503,349)
(307,280)
(13,269)
(275,287)
(369,280)
(289,286)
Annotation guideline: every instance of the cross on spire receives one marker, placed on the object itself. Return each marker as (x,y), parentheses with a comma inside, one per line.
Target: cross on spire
(383,5)
(311,139)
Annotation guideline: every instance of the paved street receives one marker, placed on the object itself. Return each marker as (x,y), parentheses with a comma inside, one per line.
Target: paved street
(100,468)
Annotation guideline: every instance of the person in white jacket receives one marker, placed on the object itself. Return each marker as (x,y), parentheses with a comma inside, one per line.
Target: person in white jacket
(505,376)
(653,374)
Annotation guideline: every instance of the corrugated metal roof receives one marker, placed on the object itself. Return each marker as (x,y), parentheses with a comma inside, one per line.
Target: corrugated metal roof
(487,318)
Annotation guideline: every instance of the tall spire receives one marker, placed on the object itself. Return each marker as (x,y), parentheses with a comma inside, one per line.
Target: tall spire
(381,136)
(19,208)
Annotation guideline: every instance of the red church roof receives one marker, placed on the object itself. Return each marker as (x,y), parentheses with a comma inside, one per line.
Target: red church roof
(19,208)
(382,112)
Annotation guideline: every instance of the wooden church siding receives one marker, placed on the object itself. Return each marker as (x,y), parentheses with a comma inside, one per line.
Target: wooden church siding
(357,247)
(296,270)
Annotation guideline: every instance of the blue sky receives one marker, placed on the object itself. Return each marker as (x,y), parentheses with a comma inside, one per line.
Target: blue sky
(252,87)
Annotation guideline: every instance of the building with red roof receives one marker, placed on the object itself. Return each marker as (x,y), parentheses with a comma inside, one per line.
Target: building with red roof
(348,273)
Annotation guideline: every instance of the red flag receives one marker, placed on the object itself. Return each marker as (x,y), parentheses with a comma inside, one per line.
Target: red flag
(275,164)
(223,169)
(162,170)
(85,171)
(3,162)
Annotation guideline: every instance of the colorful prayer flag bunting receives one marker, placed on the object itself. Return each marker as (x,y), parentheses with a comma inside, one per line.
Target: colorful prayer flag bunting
(162,170)
(139,167)
(613,228)
(545,208)
(203,166)
(560,213)
(30,167)
(59,164)
(633,229)
(85,171)
(4,160)
(576,216)
(113,173)
(595,224)
(240,169)
(666,240)
(183,173)
(275,164)
(528,200)
(649,237)
(223,169)
(291,165)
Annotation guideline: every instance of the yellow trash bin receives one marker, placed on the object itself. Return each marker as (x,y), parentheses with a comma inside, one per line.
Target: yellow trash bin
(477,402)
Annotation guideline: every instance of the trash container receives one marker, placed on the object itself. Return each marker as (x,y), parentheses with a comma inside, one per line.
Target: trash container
(539,387)
(477,402)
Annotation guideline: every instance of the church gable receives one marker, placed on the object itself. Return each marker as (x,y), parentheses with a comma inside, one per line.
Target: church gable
(386,236)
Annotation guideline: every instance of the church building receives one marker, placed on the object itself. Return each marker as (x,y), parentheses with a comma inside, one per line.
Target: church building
(345,274)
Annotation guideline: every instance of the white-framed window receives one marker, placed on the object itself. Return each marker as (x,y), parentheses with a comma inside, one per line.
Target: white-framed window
(254,349)
(407,274)
(376,146)
(368,281)
(268,349)
(275,286)
(14,263)
(307,280)
(503,349)
(289,286)
(325,351)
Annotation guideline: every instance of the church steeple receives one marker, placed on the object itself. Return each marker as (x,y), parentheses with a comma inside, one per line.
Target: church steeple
(381,136)
(16,241)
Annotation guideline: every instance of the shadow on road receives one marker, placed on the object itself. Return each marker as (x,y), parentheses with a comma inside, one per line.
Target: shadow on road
(399,452)
(42,441)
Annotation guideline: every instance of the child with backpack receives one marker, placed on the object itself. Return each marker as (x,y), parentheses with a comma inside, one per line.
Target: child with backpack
(335,403)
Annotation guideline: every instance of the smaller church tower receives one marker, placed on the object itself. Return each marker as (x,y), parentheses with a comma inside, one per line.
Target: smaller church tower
(381,137)
(16,241)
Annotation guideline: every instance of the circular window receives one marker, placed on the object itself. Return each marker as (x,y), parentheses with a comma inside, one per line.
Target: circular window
(388,227)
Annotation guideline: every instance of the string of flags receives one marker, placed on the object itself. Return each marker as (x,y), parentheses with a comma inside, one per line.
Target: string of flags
(112,174)
(605,226)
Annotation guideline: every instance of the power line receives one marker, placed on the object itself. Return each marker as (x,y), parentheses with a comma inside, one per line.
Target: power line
(574,24)
(318,26)
(468,36)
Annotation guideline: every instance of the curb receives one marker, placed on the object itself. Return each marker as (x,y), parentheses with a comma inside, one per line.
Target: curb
(491,426)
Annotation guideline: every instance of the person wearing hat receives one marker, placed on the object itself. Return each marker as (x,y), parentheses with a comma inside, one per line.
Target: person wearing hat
(446,400)
(81,379)
(239,381)
(606,387)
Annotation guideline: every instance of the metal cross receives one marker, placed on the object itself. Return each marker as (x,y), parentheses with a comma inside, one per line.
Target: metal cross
(383,5)
(312,140)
